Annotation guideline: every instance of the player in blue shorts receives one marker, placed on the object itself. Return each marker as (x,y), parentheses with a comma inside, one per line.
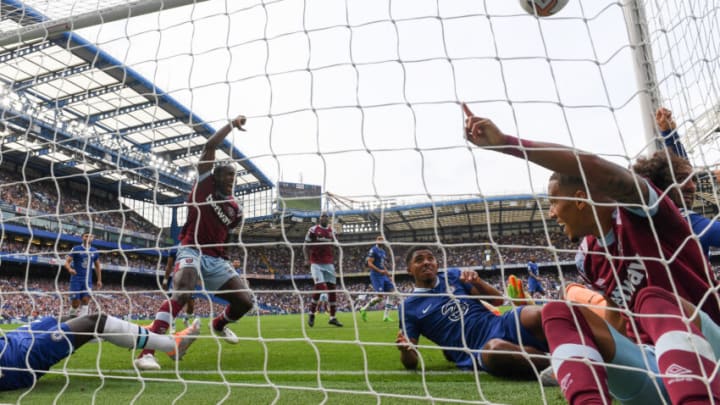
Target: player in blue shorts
(535,287)
(442,308)
(29,351)
(79,262)
(380,279)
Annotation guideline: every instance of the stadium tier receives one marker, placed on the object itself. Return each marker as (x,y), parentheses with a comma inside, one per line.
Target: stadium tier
(359,202)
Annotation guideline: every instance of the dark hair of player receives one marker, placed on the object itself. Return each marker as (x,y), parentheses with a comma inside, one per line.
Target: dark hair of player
(413,249)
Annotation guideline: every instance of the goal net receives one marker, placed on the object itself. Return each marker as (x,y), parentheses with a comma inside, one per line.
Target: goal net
(355,107)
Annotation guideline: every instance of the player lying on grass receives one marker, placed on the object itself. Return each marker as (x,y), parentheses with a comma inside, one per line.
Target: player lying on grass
(635,250)
(29,351)
(200,259)
(444,309)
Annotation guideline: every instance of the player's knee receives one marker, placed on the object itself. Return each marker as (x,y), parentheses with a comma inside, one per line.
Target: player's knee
(646,295)
(495,358)
(555,310)
(494,344)
(181,298)
(240,303)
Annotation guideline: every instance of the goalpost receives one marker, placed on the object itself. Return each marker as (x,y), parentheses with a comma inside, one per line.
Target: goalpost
(360,97)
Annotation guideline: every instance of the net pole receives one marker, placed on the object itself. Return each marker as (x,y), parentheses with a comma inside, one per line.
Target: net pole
(648,93)
(51,28)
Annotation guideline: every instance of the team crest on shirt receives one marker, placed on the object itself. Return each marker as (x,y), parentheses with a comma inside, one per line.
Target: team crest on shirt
(455,309)
(56,336)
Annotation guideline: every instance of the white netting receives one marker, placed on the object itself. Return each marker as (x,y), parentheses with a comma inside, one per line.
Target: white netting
(360,97)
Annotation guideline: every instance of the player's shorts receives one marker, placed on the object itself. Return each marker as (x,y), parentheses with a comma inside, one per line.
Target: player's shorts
(79,289)
(635,386)
(381,282)
(27,353)
(214,271)
(535,287)
(323,273)
(507,327)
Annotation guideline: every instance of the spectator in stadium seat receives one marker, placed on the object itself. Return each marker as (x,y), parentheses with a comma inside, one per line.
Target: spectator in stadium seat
(637,254)
(212,213)
(29,351)
(441,308)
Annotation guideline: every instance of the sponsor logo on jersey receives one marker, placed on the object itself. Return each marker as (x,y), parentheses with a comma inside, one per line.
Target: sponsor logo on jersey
(624,292)
(225,213)
(455,309)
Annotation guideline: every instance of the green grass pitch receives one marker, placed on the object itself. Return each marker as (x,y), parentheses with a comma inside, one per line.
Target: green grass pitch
(279,360)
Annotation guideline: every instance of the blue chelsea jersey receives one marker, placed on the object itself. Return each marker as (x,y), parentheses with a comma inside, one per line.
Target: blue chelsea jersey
(444,312)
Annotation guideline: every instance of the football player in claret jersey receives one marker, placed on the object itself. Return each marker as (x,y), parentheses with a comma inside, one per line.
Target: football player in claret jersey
(444,308)
(535,287)
(212,214)
(635,250)
(29,351)
(380,279)
(80,263)
(318,251)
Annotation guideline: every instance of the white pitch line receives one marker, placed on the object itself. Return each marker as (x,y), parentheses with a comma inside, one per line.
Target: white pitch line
(276,372)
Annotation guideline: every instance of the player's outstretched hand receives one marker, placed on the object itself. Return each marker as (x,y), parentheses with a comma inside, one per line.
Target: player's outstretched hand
(664,119)
(481,131)
(402,342)
(99,285)
(468,276)
(239,122)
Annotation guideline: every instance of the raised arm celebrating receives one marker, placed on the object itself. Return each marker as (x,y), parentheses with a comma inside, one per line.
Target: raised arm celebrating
(602,177)
(207,157)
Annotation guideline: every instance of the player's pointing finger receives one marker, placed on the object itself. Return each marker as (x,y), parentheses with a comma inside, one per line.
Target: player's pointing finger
(467,111)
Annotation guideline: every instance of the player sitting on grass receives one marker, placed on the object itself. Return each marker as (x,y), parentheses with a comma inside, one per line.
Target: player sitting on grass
(29,351)
(379,277)
(637,250)
(200,260)
(445,308)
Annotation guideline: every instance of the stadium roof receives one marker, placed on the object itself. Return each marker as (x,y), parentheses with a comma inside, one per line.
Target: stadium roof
(69,107)
(472,216)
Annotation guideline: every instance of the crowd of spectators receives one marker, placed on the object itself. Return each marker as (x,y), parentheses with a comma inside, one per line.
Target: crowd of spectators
(59,199)
(515,249)
(21,298)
